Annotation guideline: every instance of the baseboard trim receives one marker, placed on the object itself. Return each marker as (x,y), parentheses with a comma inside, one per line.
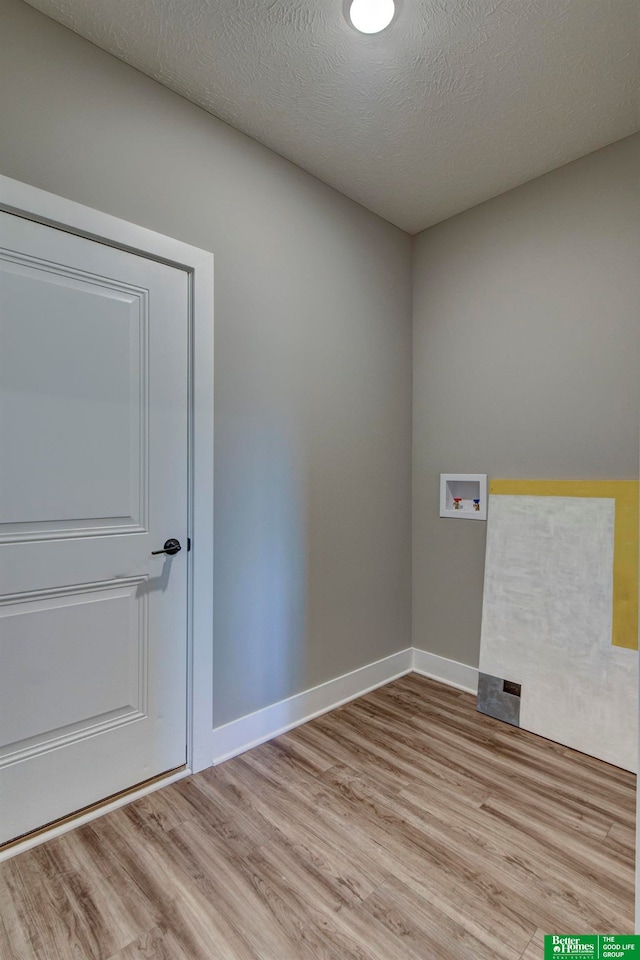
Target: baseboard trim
(253,729)
(451,672)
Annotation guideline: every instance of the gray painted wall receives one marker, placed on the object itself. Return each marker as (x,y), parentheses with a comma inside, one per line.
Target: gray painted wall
(526,349)
(526,362)
(313,354)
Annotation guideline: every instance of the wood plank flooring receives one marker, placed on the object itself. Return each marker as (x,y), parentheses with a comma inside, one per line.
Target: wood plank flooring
(402,826)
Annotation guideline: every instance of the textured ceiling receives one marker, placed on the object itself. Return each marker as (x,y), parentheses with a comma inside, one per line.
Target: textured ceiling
(457,101)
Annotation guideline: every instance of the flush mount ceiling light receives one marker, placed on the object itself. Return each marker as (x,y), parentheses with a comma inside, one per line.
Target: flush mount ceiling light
(371,16)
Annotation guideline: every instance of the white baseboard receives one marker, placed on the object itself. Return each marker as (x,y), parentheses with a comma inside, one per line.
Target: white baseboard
(451,672)
(246,732)
(239,735)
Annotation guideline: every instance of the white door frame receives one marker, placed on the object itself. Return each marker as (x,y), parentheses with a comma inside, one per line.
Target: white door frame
(47,208)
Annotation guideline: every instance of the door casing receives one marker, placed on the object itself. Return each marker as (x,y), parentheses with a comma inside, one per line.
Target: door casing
(47,208)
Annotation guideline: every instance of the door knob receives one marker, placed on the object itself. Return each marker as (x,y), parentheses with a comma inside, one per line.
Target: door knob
(171,547)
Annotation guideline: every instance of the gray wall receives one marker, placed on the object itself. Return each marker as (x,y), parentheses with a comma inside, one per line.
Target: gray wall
(526,349)
(313,354)
(526,362)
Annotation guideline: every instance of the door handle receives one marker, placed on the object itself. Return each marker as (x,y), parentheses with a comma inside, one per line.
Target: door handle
(171,547)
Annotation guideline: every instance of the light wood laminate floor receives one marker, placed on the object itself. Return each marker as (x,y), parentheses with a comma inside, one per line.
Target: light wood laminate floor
(402,826)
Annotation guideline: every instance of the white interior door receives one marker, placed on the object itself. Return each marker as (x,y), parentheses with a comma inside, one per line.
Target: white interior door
(93,478)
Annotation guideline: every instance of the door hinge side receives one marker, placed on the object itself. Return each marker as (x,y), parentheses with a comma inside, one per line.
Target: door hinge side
(188,544)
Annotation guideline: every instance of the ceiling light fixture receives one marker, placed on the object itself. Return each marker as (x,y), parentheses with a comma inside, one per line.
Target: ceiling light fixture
(371,16)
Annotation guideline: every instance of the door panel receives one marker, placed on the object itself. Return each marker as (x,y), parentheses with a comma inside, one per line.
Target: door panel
(93,477)
(86,404)
(89,644)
